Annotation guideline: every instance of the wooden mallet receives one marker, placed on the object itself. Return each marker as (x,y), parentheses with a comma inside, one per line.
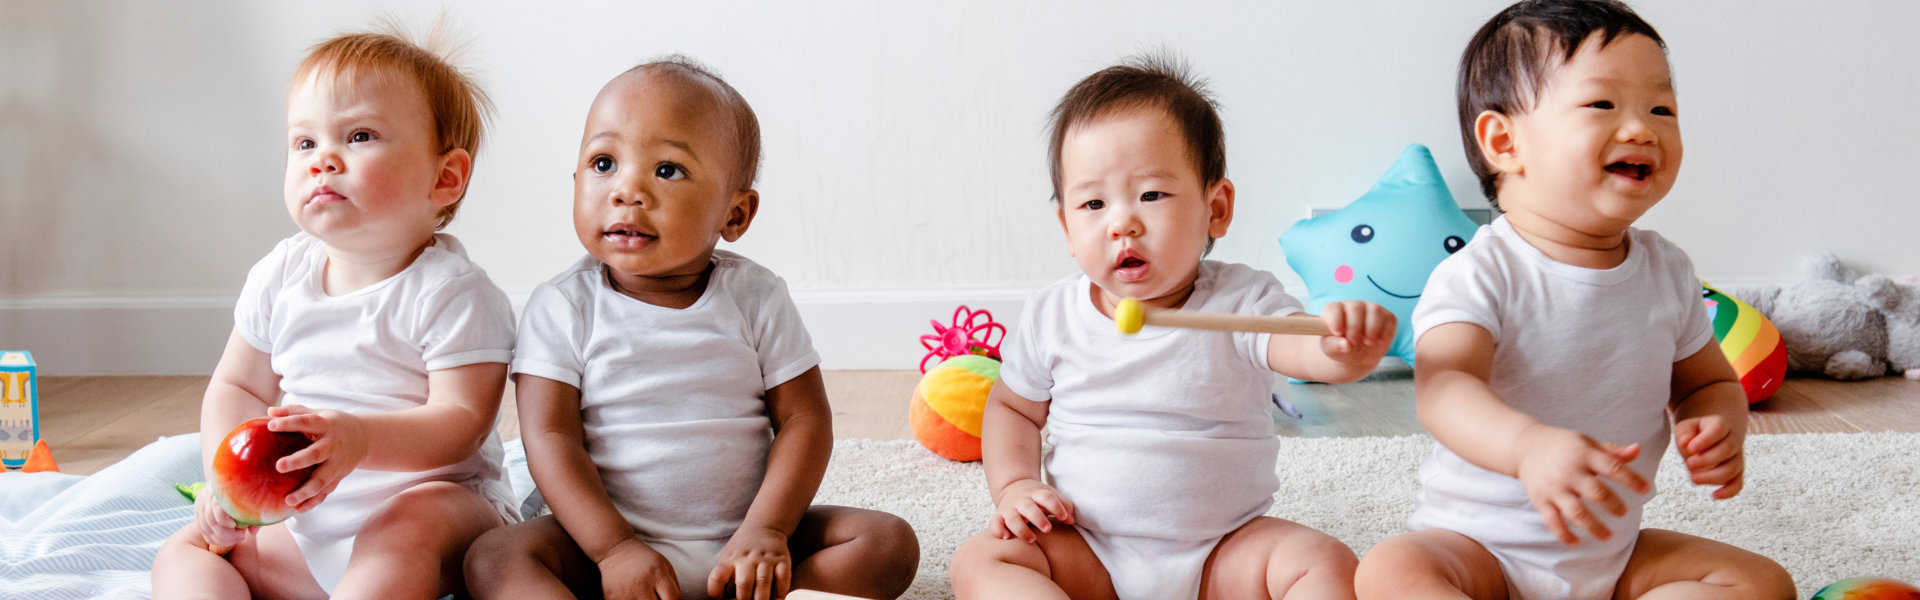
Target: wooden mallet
(1130,315)
(813,595)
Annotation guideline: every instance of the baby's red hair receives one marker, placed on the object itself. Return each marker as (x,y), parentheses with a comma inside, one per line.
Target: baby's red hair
(458,106)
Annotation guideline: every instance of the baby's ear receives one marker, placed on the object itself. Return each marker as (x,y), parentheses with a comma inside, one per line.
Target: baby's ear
(1494,132)
(1220,208)
(456,168)
(1880,292)
(744,204)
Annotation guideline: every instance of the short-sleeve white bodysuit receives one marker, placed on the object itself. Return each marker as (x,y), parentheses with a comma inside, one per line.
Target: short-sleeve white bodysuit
(1163,440)
(673,401)
(1584,349)
(369,351)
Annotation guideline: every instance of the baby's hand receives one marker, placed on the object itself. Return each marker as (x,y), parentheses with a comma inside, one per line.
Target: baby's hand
(216,526)
(1025,505)
(634,570)
(1713,455)
(1562,471)
(339,444)
(1362,332)
(757,562)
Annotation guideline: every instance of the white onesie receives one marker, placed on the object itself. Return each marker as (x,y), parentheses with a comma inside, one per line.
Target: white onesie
(1584,349)
(369,351)
(1163,440)
(673,401)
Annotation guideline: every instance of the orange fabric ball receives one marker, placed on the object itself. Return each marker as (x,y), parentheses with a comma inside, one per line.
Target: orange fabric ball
(948,404)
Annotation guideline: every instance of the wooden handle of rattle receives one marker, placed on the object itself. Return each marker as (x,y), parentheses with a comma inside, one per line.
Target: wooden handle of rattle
(1287,325)
(813,595)
(1130,315)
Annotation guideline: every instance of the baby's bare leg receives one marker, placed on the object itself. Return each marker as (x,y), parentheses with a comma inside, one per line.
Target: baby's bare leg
(414,544)
(1276,558)
(185,568)
(534,559)
(266,565)
(1434,563)
(1668,564)
(1060,565)
(864,553)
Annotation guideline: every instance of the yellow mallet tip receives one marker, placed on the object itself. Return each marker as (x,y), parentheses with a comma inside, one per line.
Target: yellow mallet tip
(1128,316)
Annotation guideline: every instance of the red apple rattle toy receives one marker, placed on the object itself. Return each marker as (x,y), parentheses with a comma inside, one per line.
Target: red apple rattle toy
(244,479)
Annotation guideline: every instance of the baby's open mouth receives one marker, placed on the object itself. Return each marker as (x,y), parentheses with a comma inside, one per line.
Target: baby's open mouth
(626,236)
(1634,171)
(1130,266)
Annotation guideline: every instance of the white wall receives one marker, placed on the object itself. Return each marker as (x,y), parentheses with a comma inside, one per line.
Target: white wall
(140,144)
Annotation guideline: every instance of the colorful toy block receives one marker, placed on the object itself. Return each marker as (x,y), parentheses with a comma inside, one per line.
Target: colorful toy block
(19,408)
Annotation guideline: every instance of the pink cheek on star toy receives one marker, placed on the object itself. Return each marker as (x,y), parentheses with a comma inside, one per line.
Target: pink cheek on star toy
(1343,274)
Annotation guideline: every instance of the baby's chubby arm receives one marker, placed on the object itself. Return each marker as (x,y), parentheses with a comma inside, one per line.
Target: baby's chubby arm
(1362,333)
(461,404)
(1562,469)
(557,456)
(757,555)
(1010,451)
(1710,420)
(243,387)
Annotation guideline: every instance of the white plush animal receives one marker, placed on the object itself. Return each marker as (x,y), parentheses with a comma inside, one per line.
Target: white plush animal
(1899,304)
(1837,324)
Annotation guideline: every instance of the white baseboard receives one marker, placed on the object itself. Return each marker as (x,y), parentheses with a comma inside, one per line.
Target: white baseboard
(185,335)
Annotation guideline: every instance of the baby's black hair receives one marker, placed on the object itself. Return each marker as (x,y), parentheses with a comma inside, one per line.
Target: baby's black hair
(746,126)
(1505,66)
(1160,80)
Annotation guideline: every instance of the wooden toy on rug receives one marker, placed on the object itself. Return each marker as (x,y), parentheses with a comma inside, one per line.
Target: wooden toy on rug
(1868,588)
(1130,315)
(813,595)
(19,408)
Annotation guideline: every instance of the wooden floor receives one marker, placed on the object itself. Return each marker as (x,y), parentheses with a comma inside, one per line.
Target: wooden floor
(91,422)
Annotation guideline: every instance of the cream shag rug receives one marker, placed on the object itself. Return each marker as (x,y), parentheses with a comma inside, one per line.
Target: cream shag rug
(1826,506)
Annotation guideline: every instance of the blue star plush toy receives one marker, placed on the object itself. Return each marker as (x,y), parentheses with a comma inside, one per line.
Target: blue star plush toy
(1382,247)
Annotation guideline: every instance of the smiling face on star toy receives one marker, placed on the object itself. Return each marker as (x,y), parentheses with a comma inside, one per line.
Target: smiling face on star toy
(1382,247)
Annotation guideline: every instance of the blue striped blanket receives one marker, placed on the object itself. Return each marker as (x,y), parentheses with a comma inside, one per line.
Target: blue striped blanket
(66,536)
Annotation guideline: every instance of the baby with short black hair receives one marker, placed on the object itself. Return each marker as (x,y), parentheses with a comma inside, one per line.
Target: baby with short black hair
(1164,457)
(1558,345)
(670,398)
